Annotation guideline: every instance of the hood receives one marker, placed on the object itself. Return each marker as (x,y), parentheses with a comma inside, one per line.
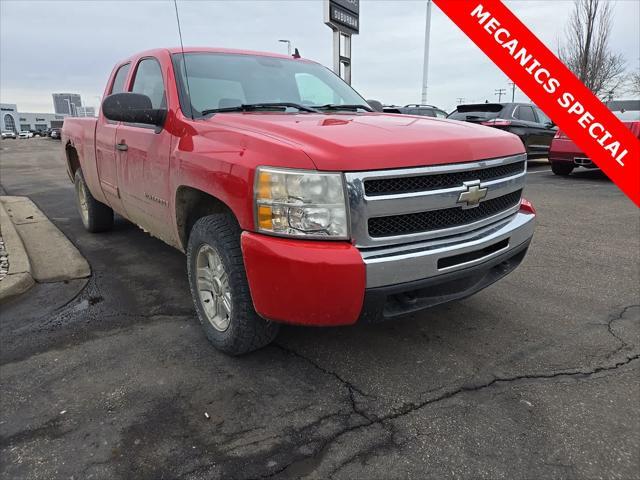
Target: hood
(350,142)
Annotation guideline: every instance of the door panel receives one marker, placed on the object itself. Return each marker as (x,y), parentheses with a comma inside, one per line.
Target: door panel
(106,159)
(546,129)
(536,140)
(144,165)
(144,176)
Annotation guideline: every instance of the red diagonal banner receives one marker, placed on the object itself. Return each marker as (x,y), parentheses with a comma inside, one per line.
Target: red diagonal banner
(551,86)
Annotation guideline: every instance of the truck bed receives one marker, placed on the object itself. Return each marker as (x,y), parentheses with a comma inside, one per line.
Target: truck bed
(81,134)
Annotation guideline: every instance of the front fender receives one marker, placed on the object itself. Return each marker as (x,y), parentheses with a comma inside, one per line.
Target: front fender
(222,163)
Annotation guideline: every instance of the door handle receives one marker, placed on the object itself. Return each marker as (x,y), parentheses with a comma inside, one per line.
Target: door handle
(122,146)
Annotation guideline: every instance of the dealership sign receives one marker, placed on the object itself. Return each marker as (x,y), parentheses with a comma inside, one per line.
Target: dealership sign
(552,86)
(343,15)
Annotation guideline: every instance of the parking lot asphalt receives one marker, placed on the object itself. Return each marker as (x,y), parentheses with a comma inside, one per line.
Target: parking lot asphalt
(534,377)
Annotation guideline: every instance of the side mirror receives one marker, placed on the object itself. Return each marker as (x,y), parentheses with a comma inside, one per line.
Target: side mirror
(375,104)
(132,108)
(551,125)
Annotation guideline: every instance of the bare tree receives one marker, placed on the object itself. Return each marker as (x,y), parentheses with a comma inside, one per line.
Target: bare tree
(586,50)
(634,83)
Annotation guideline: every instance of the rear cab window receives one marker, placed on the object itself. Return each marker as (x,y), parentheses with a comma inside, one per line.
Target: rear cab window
(119,83)
(215,91)
(120,78)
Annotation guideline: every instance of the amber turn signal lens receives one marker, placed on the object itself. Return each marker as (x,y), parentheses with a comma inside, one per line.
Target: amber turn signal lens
(264,185)
(265,217)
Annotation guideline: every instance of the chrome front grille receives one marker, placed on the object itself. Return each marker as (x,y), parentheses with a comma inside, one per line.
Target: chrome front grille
(390,207)
(394,225)
(390,186)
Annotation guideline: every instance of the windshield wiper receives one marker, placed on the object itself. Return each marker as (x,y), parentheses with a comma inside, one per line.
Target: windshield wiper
(351,108)
(252,107)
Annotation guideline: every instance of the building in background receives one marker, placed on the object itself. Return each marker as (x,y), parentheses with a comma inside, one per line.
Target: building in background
(67,103)
(85,111)
(12,119)
(39,121)
(9,117)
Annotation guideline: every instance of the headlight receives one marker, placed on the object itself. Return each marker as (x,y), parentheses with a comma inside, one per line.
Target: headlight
(300,203)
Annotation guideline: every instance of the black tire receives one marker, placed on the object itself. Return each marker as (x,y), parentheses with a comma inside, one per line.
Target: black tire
(246,330)
(562,169)
(96,216)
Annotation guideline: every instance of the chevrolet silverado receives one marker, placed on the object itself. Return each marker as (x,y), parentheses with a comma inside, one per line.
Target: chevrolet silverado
(294,201)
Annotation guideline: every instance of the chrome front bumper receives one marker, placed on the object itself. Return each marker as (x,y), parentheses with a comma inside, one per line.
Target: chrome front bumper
(398,264)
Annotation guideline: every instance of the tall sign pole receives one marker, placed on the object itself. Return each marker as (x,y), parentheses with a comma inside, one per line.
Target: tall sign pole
(425,65)
(343,17)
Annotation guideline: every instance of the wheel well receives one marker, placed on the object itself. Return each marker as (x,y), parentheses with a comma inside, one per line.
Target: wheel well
(193,204)
(73,161)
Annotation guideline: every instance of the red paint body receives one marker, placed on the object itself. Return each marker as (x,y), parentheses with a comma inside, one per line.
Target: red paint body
(304,281)
(563,149)
(309,282)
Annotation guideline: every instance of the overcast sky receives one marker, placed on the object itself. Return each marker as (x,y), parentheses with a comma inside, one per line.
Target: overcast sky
(50,46)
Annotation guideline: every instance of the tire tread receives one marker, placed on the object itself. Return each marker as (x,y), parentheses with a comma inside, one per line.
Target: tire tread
(247,331)
(100,215)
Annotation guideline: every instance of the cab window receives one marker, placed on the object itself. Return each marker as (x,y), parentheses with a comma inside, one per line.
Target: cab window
(120,78)
(148,81)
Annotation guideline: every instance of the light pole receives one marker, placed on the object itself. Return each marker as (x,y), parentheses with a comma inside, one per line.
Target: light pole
(513,91)
(288,42)
(425,65)
(499,93)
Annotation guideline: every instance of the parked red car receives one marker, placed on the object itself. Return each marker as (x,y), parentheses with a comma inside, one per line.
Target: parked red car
(565,155)
(292,199)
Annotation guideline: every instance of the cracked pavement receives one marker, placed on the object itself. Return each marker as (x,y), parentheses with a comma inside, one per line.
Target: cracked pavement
(534,377)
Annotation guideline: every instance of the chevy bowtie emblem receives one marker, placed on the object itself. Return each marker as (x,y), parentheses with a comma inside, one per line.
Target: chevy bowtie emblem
(473,194)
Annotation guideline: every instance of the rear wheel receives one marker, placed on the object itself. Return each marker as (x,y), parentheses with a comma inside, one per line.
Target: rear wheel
(219,287)
(96,216)
(562,169)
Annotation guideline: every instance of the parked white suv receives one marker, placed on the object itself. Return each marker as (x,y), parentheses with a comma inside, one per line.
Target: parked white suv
(8,134)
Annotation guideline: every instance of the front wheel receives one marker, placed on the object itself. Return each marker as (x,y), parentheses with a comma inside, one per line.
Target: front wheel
(220,290)
(562,169)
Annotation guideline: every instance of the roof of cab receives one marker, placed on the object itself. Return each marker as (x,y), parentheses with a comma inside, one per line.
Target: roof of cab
(173,50)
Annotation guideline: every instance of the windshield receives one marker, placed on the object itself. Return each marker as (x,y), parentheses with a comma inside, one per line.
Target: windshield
(221,80)
(628,115)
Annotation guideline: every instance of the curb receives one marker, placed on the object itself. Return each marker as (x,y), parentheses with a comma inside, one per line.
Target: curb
(18,279)
(38,250)
(52,256)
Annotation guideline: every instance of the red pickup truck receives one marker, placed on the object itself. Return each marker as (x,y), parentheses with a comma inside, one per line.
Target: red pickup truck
(293,200)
